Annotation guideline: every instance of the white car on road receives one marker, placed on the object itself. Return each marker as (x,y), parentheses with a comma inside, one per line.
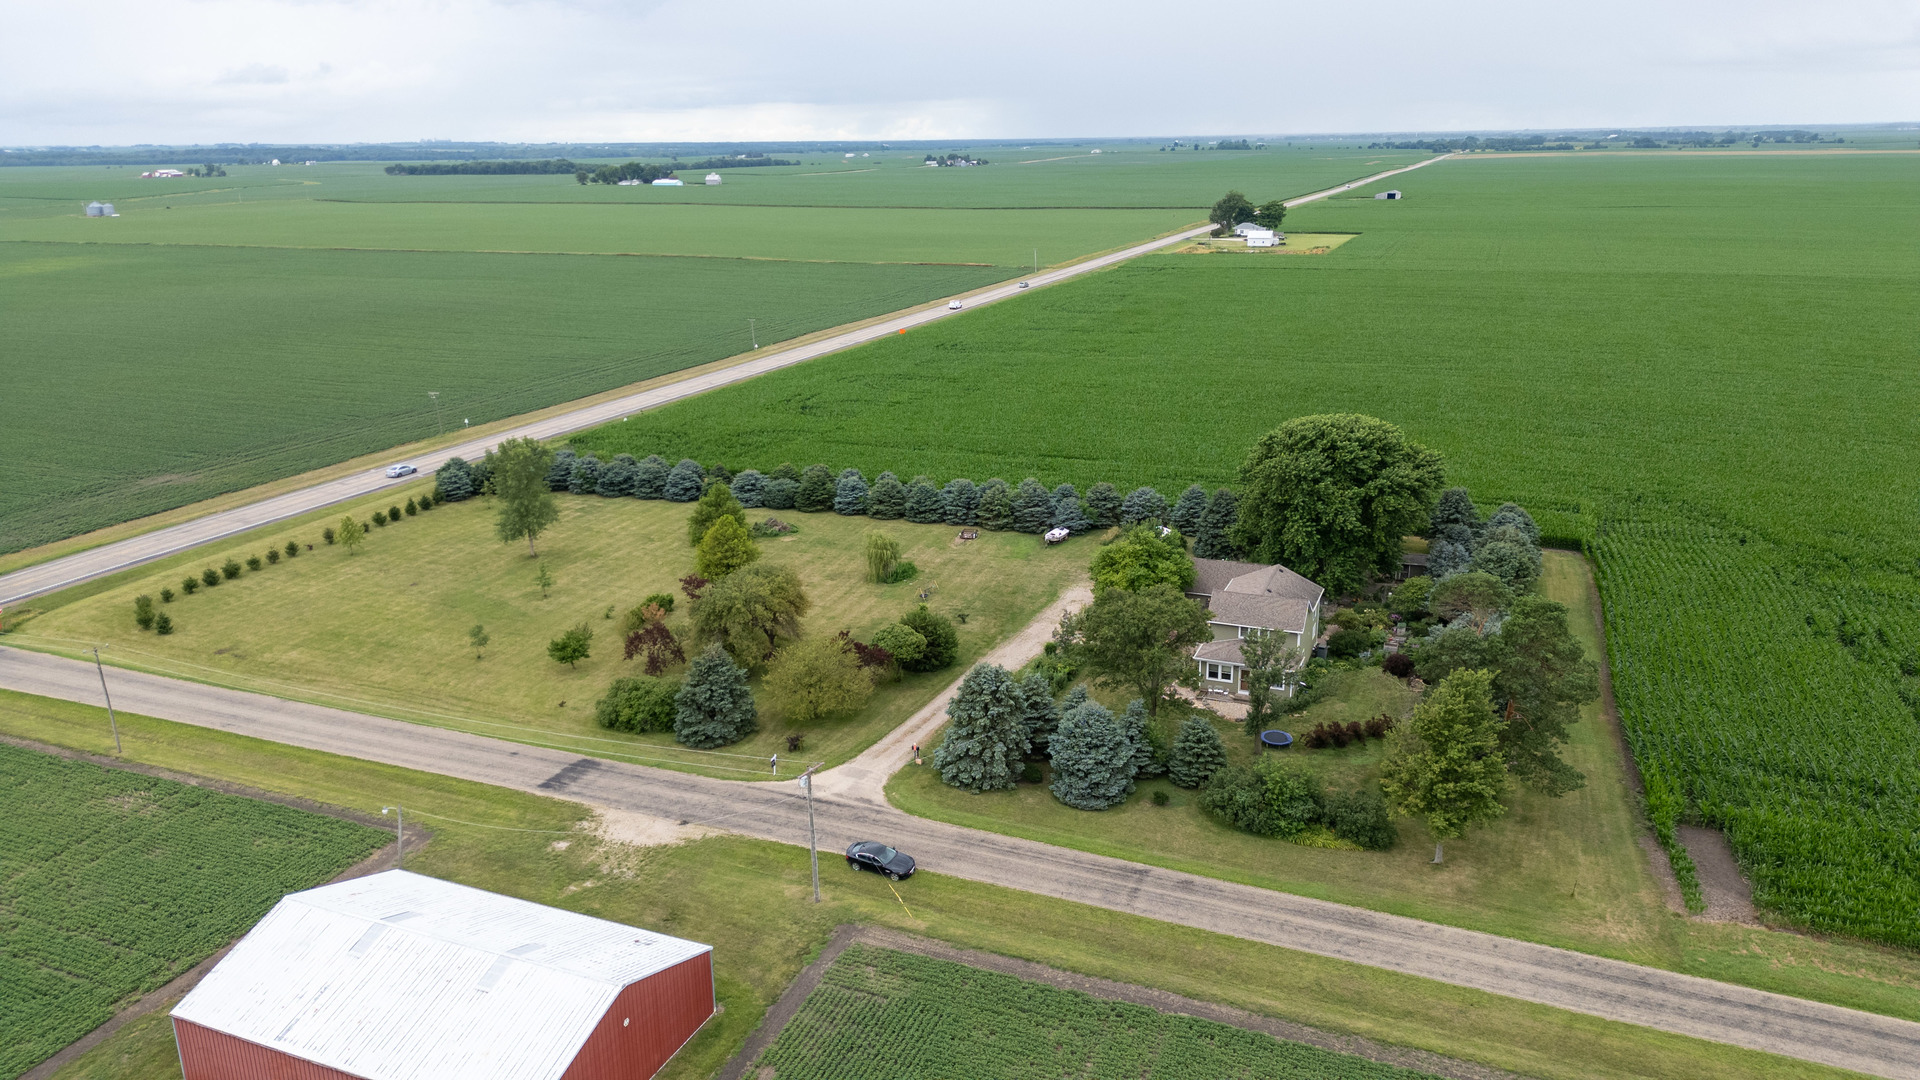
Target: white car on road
(953,305)
(397,471)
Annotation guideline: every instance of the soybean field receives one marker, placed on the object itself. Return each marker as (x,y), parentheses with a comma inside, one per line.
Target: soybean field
(1700,367)
(225,331)
(879,1013)
(113,883)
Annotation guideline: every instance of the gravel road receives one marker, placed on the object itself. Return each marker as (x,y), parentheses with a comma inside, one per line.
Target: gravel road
(1865,1042)
(59,573)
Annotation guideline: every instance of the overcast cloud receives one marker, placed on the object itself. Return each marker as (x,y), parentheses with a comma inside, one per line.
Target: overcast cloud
(116,71)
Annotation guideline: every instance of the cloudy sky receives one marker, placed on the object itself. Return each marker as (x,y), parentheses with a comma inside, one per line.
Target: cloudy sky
(118,71)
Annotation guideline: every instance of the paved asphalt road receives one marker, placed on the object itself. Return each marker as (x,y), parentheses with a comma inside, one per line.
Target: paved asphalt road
(1872,1044)
(109,558)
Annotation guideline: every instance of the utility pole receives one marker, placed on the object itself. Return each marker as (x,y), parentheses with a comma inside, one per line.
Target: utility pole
(399,833)
(753,333)
(103,693)
(813,846)
(435,395)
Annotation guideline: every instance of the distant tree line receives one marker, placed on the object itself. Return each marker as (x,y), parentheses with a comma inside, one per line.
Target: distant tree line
(483,168)
(1643,140)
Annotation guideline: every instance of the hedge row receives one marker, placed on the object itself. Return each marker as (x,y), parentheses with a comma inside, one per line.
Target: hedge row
(1024,507)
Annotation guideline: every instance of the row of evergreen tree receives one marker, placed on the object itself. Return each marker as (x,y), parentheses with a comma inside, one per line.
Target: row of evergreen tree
(999,722)
(1028,506)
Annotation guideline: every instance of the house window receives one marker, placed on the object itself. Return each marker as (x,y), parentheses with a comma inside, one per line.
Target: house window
(1219,672)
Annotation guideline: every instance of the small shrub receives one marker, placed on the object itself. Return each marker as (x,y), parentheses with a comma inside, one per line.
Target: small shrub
(641,704)
(412,508)
(1361,817)
(143,611)
(1031,773)
(1266,798)
(273,555)
(796,741)
(1160,798)
(1399,665)
(774,527)
(230,569)
(380,518)
(664,601)
(163,624)
(426,501)
(902,571)
(166,596)
(1349,642)
(943,642)
(327,534)
(573,646)
(190,585)
(1378,727)
(254,563)
(210,577)
(1356,732)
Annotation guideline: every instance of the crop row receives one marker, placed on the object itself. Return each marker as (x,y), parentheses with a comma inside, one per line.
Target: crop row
(879,1013)
(113,882)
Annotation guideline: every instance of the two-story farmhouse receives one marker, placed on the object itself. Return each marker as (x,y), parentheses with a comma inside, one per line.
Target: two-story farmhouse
(1245,599)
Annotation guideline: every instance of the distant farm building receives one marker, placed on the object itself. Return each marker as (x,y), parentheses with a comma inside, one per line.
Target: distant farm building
(1258,235)
(162,174)
(397,976)
(668,182)
(1388,195)
(629,183)
(713,179)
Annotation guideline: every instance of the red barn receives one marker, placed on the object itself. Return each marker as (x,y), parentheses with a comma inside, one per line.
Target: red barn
(397,976)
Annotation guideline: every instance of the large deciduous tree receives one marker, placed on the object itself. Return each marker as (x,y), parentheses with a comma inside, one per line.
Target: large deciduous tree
(1270,214)
(1141,557)
(519,468)
(987,735)
(943,641)
(1141,641)
(1332,496)
(1446,766)
(751,612)
(817,677)
(1232,209)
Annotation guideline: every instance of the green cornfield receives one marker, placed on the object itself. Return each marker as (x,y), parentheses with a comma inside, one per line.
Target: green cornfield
(1702,368)
(892,1016)
(224,332)
(112,883)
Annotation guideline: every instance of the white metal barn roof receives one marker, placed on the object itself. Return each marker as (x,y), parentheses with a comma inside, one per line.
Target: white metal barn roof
(397,976)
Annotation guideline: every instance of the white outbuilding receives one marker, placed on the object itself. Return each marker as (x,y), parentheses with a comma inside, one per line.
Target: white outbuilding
(668,182)
(1388,195)
(713,179)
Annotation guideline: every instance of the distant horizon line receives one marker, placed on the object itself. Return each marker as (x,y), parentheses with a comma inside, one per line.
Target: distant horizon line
(690,145)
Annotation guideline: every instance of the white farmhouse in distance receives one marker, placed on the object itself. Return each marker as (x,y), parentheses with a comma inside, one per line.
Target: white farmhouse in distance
(713,179)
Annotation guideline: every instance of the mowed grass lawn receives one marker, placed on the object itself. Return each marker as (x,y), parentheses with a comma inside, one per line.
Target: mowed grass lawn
(751,900)
(385,630)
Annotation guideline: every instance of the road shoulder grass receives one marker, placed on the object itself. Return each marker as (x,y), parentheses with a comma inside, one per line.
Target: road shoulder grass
(749,898)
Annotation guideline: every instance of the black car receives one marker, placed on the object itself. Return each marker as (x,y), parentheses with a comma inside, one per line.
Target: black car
(878,857)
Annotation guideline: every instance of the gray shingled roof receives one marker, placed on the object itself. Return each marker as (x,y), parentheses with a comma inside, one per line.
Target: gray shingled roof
(1255,594)
(1221,652)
